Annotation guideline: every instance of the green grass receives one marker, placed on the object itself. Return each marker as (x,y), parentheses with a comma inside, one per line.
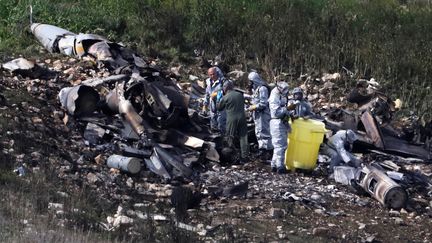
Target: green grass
(387,39)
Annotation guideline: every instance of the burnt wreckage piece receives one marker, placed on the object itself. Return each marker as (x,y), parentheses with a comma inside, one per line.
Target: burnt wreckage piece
(373,135)
(138,93)
(27,68)
(107,53)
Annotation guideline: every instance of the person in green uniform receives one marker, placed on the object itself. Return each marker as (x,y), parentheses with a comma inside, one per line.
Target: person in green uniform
(234,104)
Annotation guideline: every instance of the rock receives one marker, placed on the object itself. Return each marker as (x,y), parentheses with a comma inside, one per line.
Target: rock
(92,178)
(130,182)
(99,159)
(399,221)
(319,211)
(394,213)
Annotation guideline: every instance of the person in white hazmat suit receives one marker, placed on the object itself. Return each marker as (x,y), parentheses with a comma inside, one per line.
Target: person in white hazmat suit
(261,113)
(338,148)
(279,126)
(213,95)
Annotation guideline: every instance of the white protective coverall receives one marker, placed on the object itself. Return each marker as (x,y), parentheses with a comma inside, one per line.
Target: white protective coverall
(260,111)
(338,147)
(279,126)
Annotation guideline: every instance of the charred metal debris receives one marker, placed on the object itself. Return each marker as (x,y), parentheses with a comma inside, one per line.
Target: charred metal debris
(151,117)
(135,115)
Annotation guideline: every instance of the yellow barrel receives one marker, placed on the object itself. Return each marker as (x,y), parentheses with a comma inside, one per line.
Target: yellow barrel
(303,144)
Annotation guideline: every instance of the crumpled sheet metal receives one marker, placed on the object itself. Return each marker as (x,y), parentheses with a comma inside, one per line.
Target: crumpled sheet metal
(169,159)
(155,165)
(27,68)
(18,64)
(164,164)
(79,100)
(167,107)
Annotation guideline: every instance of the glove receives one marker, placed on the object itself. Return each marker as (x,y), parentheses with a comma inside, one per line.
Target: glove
(293,117)
(291,106)
(219,96)
(214,94)
(252,108)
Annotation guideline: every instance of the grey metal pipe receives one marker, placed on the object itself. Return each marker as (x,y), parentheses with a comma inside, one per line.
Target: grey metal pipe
(127,164)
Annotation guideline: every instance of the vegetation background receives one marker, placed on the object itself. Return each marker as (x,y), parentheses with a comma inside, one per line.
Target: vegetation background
(389,40)
(385,39)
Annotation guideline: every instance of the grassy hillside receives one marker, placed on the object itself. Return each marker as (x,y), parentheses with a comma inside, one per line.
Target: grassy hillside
(385,39)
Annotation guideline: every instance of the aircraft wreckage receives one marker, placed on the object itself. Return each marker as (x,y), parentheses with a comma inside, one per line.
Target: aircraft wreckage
(169,137)
(151,106)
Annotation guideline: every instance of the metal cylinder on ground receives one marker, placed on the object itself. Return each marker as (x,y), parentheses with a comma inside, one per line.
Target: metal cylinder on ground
(127,164)
(382,188)
(130,115)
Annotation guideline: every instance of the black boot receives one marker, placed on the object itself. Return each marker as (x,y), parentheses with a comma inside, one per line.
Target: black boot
(281,170)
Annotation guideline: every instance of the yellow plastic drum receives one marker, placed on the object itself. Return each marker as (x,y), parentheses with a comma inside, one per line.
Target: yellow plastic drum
(303,144)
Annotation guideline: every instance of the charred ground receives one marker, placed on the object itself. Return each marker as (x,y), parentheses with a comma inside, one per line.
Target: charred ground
(68,188)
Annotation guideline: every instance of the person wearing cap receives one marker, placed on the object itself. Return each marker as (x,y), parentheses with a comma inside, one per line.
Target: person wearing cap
(338,148)
(279,126)
(213,94)
(260,113)
(234,104)
(302,108)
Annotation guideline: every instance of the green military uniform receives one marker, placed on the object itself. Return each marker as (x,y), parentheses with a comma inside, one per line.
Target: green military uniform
(233,103)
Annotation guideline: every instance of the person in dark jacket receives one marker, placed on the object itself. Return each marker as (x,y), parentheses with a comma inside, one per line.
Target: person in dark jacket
(302,107)
(234,104)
